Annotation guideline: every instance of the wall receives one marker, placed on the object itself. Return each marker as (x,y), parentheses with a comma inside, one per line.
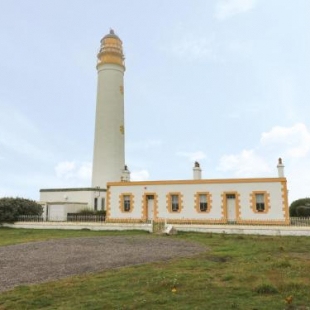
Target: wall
(79,226)
(59,211)
(72,195)
(222,229)
(275,189)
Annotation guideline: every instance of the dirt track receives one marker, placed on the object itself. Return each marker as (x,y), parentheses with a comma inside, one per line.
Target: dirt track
(37,262)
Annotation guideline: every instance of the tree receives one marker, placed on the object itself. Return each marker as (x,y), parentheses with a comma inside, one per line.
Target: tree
(303,211)
(11,208)
(294,207)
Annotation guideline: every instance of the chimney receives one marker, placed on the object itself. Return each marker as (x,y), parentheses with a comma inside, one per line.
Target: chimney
(197,171)
(125,174)
(280,167)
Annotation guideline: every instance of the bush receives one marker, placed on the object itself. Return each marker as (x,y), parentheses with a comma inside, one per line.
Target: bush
(11,208)
(87,214)
(303,211)
(304,202)
(265,288)
(87,211)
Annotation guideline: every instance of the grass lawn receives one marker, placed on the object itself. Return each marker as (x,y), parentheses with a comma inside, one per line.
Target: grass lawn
(238,272)
(16,236)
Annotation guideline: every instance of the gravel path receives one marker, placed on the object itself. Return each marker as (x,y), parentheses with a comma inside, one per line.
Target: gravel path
(37,262)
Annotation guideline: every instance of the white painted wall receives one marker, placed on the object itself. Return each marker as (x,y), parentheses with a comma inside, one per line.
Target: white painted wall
(188,190)
(59,211)
(221,229)
(72,196)
(109,144)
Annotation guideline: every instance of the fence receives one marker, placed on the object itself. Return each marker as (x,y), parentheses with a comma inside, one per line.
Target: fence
(71,217)
(300,221)
(78,218)
(160,223)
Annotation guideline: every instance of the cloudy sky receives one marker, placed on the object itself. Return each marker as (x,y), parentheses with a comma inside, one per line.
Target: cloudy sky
(224,82)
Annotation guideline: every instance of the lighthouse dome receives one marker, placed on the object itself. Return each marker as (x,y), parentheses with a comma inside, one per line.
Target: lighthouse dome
(111,50)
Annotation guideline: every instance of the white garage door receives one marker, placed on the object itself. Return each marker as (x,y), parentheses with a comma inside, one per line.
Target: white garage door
(56,213)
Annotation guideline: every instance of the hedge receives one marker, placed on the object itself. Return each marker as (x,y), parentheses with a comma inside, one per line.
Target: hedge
(11,208)
(303,202)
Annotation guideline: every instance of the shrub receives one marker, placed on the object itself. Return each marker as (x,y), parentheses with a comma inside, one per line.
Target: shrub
(265,288)
(8,213)
(87,211)
(303,211)
(11,208)
(297,203)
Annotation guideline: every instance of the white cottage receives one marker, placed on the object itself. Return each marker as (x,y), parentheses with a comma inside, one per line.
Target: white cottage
(242,201)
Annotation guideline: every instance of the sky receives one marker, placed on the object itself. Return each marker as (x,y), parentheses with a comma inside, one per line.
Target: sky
(223,82)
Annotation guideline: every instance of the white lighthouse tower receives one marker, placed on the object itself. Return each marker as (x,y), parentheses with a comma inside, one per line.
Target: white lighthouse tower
(109,145)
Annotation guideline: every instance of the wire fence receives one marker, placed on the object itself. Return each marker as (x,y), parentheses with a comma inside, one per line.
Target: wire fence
(79,218)
(160,223)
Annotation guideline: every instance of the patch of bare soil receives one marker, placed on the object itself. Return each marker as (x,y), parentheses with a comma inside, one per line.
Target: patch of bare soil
(37,262)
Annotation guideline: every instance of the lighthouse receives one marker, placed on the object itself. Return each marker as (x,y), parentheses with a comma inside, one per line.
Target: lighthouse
(109,142)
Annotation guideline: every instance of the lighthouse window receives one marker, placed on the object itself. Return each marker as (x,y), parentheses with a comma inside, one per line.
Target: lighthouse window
(102,204)
(126,203)
(96,204)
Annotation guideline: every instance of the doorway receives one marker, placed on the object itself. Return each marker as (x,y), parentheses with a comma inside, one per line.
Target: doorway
(150,206)
(231,207)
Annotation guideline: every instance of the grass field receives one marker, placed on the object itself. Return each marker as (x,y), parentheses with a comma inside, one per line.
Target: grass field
(238,272)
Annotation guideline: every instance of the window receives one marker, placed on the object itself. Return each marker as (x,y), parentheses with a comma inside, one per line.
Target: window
(102,204)
(126,203)
(203,203)
(260,202)
(175,203)
(96,204)
(230,196)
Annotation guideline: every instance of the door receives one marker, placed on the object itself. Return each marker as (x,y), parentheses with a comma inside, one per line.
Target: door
(231,207)
(56,213)
(150,206)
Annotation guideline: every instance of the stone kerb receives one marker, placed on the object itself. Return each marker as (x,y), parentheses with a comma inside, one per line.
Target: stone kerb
(227,229)
(79,226)
(247,230)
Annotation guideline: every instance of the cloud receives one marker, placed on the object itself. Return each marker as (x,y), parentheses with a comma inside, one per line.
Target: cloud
(65,169)
(140,175)
(145,145)
(6,192)
(244,164)
(19,135)
(72,170)
(228,8)
(79,173)
(193,156)
(294,141)
(192,47)
(85,171)
(291,143)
